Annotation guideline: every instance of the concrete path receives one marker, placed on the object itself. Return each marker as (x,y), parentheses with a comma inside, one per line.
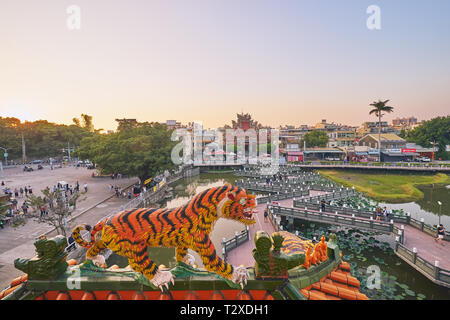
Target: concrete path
(18,242)
(427,247)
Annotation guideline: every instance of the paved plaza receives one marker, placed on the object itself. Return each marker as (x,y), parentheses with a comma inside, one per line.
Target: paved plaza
(98,202)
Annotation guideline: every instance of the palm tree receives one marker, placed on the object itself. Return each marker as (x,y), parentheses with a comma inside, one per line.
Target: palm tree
(379,108)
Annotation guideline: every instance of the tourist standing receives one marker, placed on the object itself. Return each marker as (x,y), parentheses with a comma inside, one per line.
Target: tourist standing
(379,214)
(21,192)
(386,214)
(42,211)
(24,208)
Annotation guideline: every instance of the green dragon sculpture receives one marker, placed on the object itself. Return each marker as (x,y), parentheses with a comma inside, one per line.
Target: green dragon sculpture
(270,262)
(50,261)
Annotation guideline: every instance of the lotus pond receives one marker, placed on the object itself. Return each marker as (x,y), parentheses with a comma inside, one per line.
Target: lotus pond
(361,249)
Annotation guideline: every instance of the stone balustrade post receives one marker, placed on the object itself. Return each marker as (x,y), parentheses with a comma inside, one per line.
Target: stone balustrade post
(414,255)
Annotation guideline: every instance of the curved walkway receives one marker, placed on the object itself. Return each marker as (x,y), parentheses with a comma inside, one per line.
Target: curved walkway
(242,255)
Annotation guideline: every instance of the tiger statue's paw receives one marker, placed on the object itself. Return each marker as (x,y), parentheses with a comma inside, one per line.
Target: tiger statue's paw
(189,259)
(98,260)
(162,278)
(240,276)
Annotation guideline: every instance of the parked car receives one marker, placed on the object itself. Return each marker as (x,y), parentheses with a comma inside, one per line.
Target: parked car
(424,159)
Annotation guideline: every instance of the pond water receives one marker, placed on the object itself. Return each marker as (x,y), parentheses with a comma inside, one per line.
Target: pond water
(363,250)
(428,207)
(398,281)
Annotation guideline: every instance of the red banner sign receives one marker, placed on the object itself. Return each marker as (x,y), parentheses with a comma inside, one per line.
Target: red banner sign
(408,150)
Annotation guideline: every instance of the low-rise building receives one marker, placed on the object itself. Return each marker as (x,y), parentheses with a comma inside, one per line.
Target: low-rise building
(370,127)
(388,141)
(327,154)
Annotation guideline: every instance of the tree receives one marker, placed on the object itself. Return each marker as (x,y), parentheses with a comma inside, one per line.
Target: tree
(436,130)
(60,205)
(142,151)
(378,108)
(86,123)
(76,121)
(42,138)
(125,124)
(315,138)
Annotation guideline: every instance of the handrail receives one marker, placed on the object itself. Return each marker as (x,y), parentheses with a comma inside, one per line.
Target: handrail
(432,271)
(236,241)
(376,226)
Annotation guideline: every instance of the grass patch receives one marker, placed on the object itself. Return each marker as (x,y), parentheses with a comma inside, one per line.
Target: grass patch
(393,188)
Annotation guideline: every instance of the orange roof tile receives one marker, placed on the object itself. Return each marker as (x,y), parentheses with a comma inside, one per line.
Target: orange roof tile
(338,285)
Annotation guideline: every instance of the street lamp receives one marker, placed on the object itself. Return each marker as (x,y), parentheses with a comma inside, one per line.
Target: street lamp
(440,211)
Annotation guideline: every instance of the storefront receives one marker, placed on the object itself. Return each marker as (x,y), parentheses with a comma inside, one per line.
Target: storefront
(294,156)
(323,154)
(398,155)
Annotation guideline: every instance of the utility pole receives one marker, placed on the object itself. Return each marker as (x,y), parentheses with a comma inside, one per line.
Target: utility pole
(68,149)
(5,154)
(24,157)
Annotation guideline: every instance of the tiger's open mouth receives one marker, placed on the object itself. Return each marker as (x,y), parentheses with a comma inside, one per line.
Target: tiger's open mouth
(248,214)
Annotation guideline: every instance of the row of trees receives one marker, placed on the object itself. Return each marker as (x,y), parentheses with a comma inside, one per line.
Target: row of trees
(42,138)
(432,132)
(138,150)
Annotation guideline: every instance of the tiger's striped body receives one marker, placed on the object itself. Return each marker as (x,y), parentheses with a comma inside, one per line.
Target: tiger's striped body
(130,233)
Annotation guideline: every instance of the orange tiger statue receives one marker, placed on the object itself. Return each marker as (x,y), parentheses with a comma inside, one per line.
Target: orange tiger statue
(129,233)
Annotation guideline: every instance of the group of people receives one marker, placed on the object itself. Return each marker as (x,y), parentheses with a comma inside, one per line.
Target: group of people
(68,188)
(15,209)
(17,192)
(118,191)
(382,213)
(115,176)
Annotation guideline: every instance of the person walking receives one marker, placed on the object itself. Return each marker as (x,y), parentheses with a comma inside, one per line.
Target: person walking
(26,191)
(30,190)
(21,192)
(322,205)
(85,187)
(440,234)
(266,214)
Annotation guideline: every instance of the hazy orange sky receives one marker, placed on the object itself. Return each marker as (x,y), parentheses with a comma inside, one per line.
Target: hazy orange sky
(285,62)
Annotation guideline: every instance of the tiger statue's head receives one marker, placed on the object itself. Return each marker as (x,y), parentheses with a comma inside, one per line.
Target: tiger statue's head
(235,204)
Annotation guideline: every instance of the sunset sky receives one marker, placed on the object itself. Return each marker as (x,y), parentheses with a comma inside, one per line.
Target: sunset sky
(285,62)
